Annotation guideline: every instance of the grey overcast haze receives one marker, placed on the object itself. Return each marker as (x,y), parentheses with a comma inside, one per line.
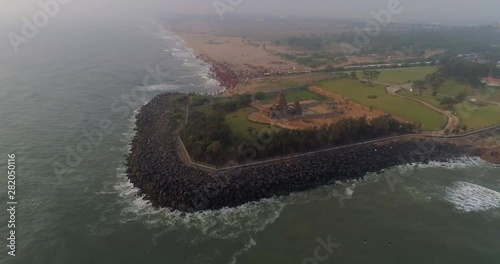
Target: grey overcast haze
(454,11)
(442,11)
(249,131)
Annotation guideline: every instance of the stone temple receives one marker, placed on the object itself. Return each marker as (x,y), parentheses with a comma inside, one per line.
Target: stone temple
(282,110)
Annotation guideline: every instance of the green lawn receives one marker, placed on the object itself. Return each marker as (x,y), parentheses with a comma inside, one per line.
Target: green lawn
(433,100)
(239,123)
(477,117)
(403,108)
(293,95)
(401,76)
(488,93)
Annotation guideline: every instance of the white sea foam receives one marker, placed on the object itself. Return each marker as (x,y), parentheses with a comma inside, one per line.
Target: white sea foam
(187,53)
(459,163)
(249,218)
(469,197)
(190,65)
(418,194)
(251,243)
(162,87)
(227,223)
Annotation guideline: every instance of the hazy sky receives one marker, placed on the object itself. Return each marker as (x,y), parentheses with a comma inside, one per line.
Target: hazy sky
(421,10)
(475,11)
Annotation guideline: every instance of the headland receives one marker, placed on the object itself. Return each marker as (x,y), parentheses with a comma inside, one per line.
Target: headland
(157,168)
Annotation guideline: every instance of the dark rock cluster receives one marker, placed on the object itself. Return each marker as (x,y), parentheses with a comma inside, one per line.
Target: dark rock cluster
(162,176)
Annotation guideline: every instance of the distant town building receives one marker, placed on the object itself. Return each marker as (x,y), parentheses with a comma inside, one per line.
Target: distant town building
(490,81)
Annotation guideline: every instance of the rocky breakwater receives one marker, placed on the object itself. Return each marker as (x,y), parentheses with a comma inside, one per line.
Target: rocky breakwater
(491,155)
(163,178)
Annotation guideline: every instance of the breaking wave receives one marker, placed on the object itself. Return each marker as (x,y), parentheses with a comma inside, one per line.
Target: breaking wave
(469,197)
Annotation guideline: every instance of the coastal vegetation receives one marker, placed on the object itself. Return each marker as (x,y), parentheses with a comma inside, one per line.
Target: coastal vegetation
(219,131)
(413,43)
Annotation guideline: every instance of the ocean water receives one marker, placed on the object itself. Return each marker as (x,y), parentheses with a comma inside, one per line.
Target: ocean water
(70,81)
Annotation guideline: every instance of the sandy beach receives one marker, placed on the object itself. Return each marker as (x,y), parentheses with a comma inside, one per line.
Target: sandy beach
(236,61)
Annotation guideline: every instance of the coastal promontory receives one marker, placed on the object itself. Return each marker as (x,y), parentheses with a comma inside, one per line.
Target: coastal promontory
(159,168)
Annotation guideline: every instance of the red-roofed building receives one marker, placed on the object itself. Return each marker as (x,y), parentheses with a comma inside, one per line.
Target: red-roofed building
(490,81)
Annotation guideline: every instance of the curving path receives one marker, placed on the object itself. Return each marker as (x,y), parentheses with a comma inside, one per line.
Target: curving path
(453,120)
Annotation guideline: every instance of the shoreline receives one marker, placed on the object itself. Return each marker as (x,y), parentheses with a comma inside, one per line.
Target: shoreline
(237,63)
(156,168)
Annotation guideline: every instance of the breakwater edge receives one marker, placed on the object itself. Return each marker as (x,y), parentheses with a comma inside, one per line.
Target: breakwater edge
(163,177)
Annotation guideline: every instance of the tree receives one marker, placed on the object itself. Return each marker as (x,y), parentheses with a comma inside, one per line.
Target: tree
(460,97)
(260,96)
(434,91)
(371,75)
(353,75)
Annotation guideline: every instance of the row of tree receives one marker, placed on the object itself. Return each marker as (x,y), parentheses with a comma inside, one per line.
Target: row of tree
(209,138)
(467,71)
(413,42)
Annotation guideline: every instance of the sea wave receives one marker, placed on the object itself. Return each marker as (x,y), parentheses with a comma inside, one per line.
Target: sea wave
(202,73)
(162,87)
(468,197)
(226,223)
(452,164)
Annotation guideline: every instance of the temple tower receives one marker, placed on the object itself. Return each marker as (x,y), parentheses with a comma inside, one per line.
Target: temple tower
(280,102)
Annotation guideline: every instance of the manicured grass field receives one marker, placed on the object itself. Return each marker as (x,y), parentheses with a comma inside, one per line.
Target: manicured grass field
(477,117)
(401,76)
(433,100)
(293,95)
(403,108)
(239,123)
